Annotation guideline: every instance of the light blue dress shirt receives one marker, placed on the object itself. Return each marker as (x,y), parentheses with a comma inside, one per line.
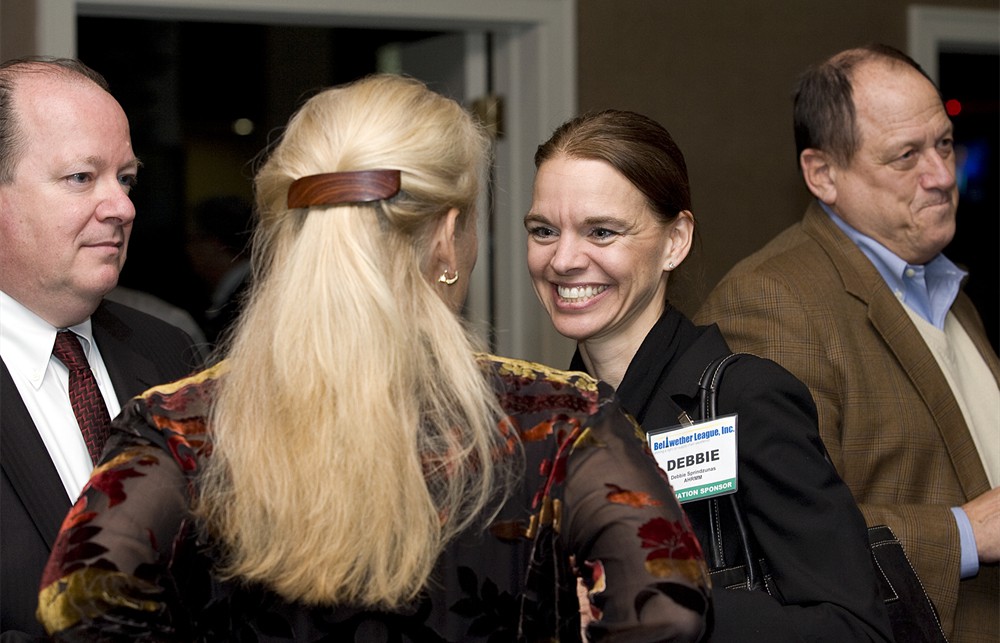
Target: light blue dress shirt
(928,290)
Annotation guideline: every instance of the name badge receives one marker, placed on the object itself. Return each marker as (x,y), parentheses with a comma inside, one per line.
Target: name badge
(699,459)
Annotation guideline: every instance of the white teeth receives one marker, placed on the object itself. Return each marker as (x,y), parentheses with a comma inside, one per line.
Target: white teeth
(580,293)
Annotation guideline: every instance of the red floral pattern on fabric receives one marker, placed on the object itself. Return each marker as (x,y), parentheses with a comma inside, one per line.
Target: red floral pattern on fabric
(111,482)
(631,498)
(196,394)
(669,539)
(596,583)
(570,432)
(181,426)
(530,403)
(78,515)
(539,432)
(182,452)
(508,428)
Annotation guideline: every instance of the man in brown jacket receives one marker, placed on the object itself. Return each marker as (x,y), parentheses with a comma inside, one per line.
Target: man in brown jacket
(859,303)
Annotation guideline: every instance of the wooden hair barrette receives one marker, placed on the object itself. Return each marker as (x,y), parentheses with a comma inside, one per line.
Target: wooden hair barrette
(337,188)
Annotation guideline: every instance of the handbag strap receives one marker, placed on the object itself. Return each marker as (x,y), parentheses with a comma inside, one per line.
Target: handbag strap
(708,387)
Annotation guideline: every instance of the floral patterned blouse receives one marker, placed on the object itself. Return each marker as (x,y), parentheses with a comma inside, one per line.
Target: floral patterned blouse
(131,563)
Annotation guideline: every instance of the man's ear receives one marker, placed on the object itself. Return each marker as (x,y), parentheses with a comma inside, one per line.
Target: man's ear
(680,238)
(443,255)
(819,174)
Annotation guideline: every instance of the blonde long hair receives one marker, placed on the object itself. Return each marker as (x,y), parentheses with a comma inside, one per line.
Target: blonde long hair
(355,433)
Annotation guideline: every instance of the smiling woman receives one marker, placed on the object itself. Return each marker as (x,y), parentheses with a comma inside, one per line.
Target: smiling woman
(598,256)
(610,220)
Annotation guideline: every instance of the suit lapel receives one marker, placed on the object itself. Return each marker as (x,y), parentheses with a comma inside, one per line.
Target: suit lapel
(26,463)
(23,457)
(131,373)
(891,322)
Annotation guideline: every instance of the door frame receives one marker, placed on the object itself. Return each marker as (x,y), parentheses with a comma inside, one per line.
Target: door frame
(932,29)
(534,68)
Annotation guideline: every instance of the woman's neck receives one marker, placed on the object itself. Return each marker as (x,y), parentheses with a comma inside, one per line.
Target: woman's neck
(609,359)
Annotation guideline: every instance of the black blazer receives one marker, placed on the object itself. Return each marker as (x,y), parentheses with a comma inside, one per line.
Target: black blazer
(139,351)
(805,520)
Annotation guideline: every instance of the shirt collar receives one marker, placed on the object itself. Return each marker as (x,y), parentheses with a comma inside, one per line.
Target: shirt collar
(26,339)
(929,289)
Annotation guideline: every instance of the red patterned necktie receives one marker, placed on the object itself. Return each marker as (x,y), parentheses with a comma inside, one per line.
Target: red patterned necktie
(84,395)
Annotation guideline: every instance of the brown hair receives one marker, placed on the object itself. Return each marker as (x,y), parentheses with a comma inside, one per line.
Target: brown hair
(823,113)
(638,147)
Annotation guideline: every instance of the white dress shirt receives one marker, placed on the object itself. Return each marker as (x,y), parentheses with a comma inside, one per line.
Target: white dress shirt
(26,342)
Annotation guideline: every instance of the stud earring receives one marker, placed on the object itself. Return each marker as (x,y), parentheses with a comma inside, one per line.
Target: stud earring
(446,280)
(670,266)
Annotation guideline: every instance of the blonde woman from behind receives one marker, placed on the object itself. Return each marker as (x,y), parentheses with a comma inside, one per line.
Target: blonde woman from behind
(356,468)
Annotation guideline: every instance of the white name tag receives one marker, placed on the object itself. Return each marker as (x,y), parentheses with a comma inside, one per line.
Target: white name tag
(699,459)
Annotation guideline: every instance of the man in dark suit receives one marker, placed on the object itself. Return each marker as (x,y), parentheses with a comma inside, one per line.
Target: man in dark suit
(859,303)
(66,168)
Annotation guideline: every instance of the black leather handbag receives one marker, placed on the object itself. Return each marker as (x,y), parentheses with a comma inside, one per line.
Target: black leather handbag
(912,614)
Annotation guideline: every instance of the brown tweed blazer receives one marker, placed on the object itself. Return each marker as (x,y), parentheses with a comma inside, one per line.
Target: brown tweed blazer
(811,301)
